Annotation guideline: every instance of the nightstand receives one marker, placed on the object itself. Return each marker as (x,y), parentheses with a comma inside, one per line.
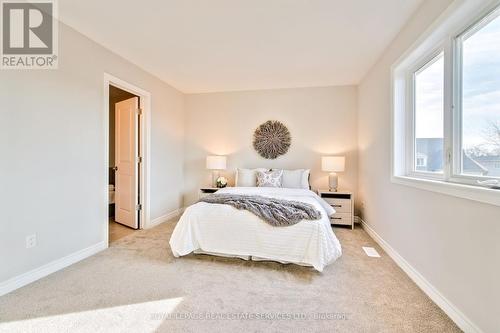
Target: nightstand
(207,191)
(343,203)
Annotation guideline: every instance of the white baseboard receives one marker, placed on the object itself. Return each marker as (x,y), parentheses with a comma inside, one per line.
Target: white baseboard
(451,310)
(47,269)
(165,218)
(40,272)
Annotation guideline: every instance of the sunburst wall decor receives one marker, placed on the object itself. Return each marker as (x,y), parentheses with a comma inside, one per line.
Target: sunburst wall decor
(272,139)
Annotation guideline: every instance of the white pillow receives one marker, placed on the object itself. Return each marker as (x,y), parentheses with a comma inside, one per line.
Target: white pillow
(269,178)
(247,177)
(296,178)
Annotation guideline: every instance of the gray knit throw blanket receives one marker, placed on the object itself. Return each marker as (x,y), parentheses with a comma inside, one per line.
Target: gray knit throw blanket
(276,212)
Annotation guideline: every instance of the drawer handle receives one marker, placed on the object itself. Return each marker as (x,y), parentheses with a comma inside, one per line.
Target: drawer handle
(337,206)
(336,218)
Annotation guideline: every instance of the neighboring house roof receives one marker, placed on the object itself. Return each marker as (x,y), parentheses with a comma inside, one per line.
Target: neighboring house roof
(487,159)
(471,165)
(432,150)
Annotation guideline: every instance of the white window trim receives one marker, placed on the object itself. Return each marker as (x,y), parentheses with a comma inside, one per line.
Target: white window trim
(441,35)
(420,65)
(475,193)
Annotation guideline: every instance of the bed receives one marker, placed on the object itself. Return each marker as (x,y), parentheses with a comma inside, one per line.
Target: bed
(223,230)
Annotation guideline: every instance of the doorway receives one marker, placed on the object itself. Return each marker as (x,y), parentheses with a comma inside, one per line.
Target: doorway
(124,172)
(126,155)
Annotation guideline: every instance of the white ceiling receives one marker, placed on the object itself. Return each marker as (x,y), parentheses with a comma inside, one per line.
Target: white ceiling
(225,45)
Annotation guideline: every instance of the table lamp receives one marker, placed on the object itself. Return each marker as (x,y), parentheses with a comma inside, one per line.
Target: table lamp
(216,163)
(333,164)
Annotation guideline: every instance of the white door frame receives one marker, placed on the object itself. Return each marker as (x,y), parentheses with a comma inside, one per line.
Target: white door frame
(144,142)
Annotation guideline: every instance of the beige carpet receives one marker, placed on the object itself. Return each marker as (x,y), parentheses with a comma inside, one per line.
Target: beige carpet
(138,286)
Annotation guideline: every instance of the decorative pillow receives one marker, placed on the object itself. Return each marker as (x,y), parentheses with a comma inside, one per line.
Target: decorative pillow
(296,178)
(270,178)
(247,177)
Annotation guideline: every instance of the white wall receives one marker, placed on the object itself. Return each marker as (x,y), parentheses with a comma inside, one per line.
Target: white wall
(321,121)
(53,176)
(454,243)
(52,173)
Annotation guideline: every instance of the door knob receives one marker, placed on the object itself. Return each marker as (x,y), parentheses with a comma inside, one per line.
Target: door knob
(115,168)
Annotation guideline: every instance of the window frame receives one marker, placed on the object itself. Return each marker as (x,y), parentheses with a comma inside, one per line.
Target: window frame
(477,24)
(460,18)
(429,59)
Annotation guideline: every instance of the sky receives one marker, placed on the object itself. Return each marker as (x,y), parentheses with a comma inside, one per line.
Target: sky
(481,89)
(429,95)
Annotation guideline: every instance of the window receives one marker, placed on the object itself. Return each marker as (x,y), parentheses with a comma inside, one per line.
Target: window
(421,162)
(480,96)
(429,104)
(446,104)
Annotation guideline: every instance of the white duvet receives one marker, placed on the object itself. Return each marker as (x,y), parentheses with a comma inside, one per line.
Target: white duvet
(226,231)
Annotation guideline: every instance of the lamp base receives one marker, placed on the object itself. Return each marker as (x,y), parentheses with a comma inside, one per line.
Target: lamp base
(215,175)
(333,182)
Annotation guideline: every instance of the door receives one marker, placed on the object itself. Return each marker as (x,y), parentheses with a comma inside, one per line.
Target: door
(126,152)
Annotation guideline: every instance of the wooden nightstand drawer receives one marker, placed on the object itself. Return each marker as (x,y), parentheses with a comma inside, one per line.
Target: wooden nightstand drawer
(343,203)
(340,205)
(341,218)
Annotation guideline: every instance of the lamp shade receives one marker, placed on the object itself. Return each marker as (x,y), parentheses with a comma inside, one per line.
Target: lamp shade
(216,162)
(333,163)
